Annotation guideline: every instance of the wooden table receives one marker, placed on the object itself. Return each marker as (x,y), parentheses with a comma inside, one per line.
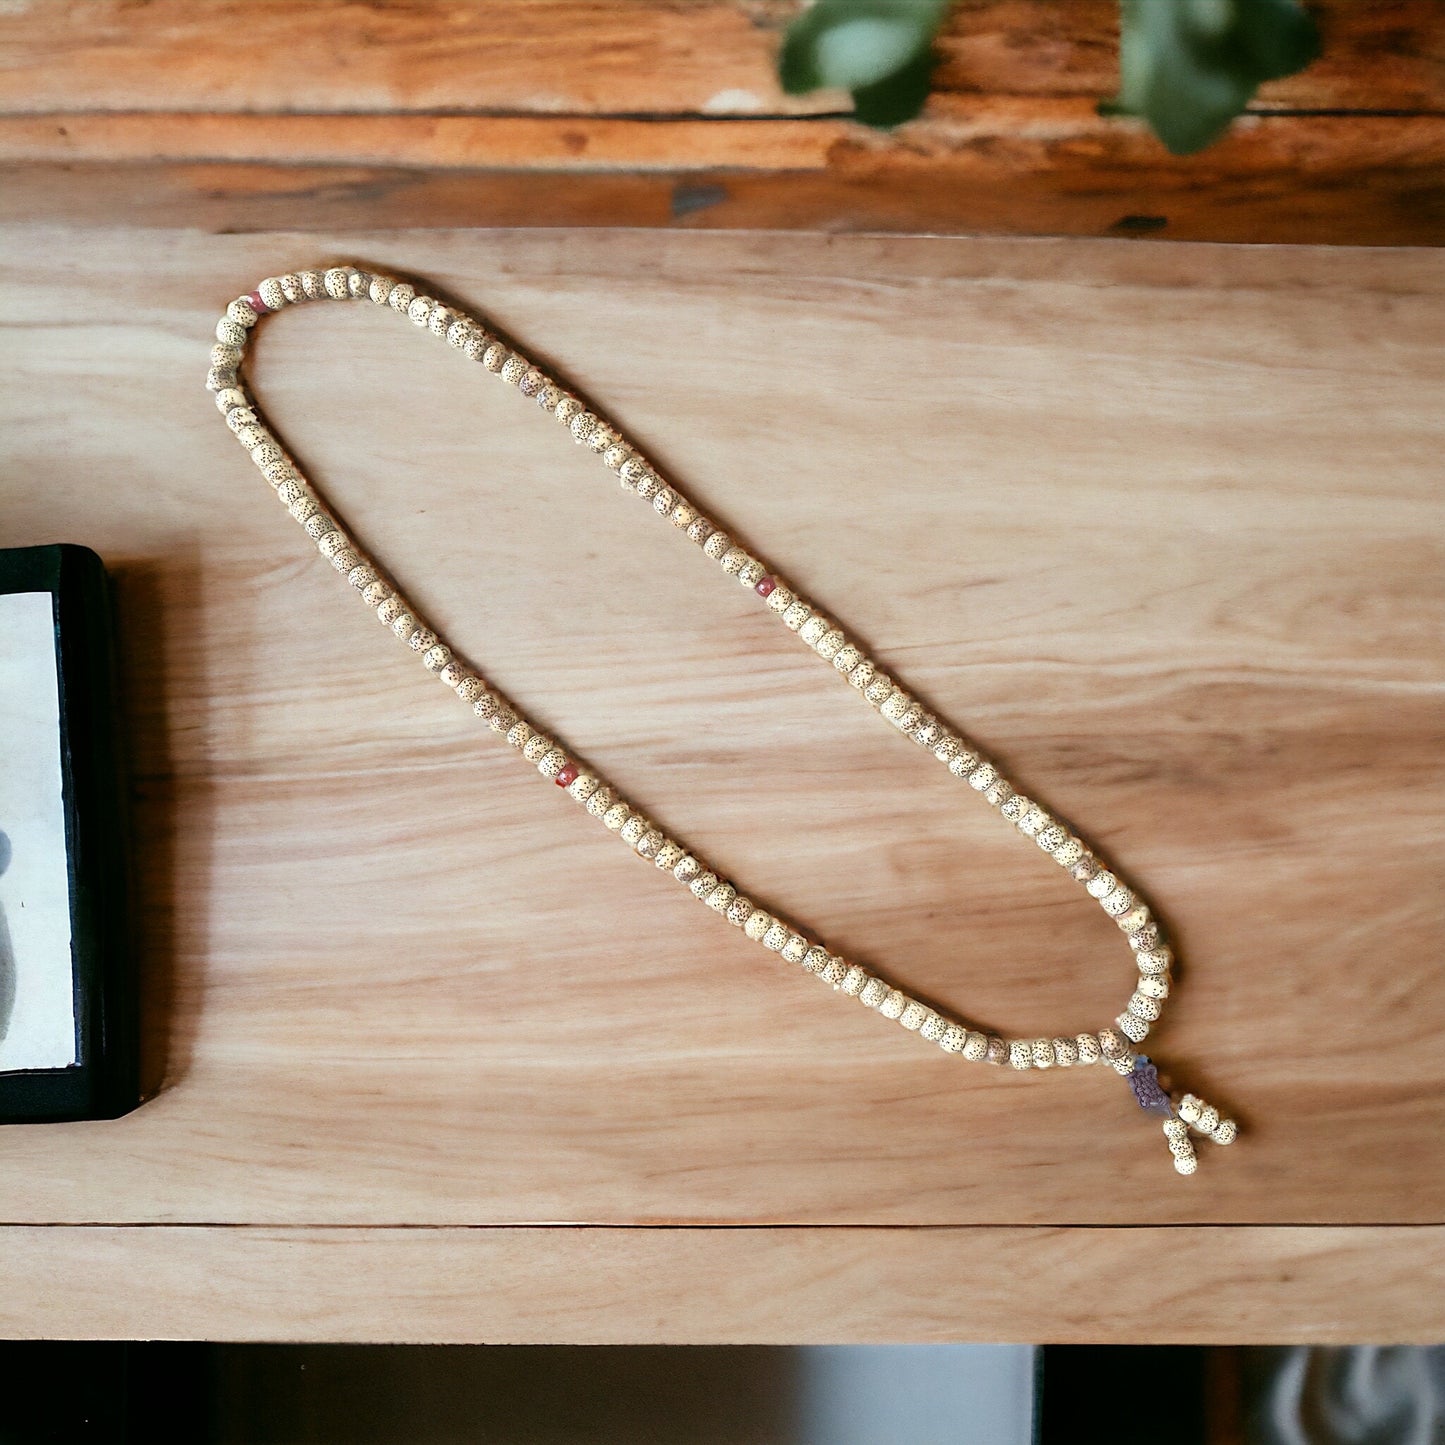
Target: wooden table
(1158,525)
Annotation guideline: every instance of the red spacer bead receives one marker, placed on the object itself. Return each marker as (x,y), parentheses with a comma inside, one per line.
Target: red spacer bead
(567,776)
(257,304)
(765,585)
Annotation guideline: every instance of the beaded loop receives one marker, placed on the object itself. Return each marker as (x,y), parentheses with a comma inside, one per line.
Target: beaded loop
(472,340)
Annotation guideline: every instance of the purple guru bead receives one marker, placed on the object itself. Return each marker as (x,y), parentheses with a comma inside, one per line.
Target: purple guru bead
(1145,1083)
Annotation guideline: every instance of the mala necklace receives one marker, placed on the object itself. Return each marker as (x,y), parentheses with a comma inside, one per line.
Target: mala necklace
(1152,956)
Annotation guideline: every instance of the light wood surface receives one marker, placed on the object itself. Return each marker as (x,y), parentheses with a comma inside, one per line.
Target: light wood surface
(726,1286)
(1161,527)
(338,113)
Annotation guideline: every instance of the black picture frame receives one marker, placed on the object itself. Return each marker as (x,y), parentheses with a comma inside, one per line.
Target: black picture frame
(104,1082)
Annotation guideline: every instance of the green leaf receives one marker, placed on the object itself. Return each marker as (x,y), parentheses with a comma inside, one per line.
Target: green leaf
(1190,66)
(879,50)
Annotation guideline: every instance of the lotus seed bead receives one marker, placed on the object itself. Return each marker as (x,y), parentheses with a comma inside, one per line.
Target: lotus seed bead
(814,628)
(1111,1044)
(422,639)
(892,1007)
(1015,807)
(932,1028)
(998,1051)
(1043,1052)
(1225,1132)
(721,896)
(401,297)
(1066,1053)
(1051,838)
(739,910)
(757,925)
(380,289)
(717,546)
(998,792)
(796,615)
(834,971)
(376,593)
(1120,901)
(1208,1119)
(913,1016)
(702,884)
(669,855)
(1154,986)
(775,937)
(853,981)
(1186,1163)
(1020,1054)
(271,294)
(1088,1046)
(1133,1027)
(954,1040)
(1034,821)
(975,1046)
(795,949)
(816,959)
(875,992)
(982,776)
(1153,960)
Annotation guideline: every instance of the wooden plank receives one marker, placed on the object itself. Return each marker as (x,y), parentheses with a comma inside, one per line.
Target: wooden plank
(1013,167)
(651,112)
(617,57)
(725,1286)
(1159,526)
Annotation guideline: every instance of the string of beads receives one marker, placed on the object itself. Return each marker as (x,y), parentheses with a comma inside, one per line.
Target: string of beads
(1113,1045)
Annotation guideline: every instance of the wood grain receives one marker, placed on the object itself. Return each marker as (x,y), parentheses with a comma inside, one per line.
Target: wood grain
(1160,527)
(648,113)
(641,1286)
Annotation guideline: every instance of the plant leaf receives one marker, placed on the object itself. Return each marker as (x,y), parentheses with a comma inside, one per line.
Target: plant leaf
(1189,67)
(879,50)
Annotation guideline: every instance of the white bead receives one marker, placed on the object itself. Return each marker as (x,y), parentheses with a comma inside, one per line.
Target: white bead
(795,949)
(954,1039)
(874,993)
(1133,1027)
(1186,1163)
(776,937)
(721,896)
(1020,1054)
(1043,1050)
(815,960)
(1120,901)
(1225,1132)
(401,296)
(757,926)
(975,1046)
(982,777)
(913,1016)
(1143,1007)
(853,981)
(1154,986)
(892,1007)
(1088,1046)
(932,1027)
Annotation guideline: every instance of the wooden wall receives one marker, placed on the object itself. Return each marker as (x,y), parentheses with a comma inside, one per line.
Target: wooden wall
(428,113)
